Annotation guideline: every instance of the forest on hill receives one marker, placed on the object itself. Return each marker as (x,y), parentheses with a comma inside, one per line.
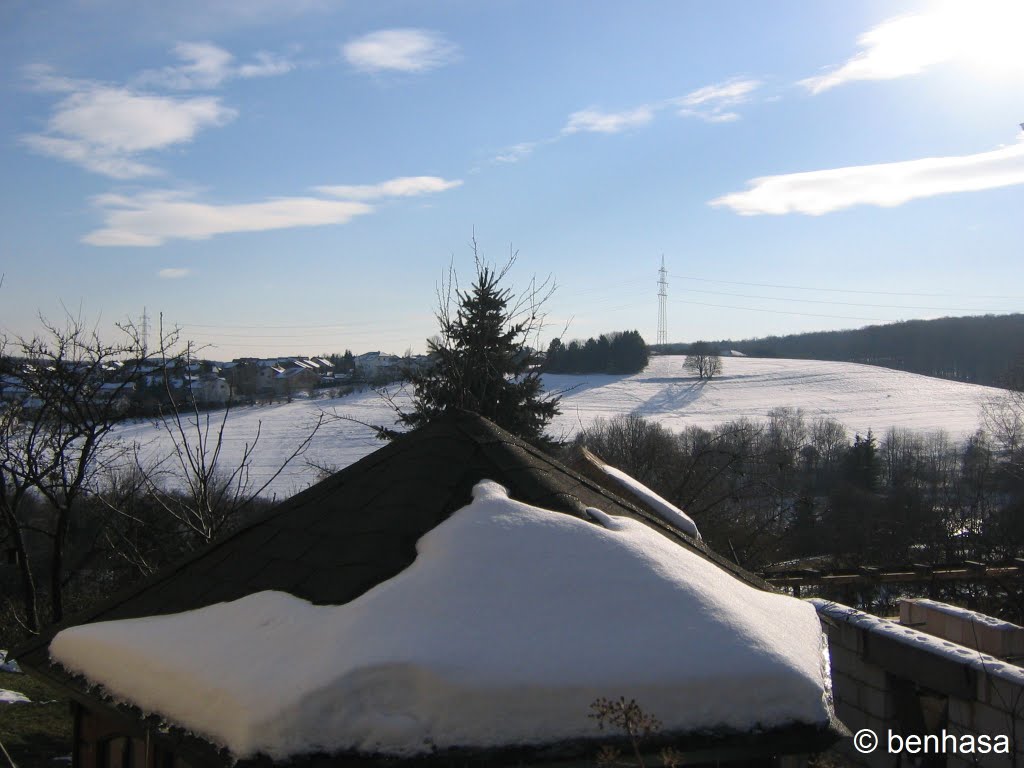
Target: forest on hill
(986,349)
(620,352)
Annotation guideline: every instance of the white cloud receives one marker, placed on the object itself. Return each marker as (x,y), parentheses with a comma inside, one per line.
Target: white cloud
(729,92)
(887,52)
(983,33)
(404,186)
(265,65)
(595,121)
(713,103)
(709,103)
(719,117)
(41,77)
(153,218)
(173,273)
(516,152)
(399,50)
(115,165)
(208,66)
(102,128)
(885,184)
(118,120)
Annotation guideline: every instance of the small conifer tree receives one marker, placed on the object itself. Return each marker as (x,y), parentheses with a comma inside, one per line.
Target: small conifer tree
(481,361)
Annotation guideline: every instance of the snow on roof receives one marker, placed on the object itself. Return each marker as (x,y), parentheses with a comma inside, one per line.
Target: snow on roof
(670,513)
(8,666)
(511,621)
(13,697)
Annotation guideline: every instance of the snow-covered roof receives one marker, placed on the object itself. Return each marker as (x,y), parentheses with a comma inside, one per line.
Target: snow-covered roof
(509,623)
(13,697)
(8,666)
(670,513)
(356,537)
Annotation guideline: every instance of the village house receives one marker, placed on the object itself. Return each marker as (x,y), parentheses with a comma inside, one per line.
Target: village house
(296,375)
(376,365)
(213,390)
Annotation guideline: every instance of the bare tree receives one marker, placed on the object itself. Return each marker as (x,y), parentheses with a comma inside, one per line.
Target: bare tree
(703,360)
(64,391)
(1003,419)
(199,491)
(64,474)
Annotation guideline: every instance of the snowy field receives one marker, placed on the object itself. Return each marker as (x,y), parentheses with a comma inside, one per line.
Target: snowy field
(862,397)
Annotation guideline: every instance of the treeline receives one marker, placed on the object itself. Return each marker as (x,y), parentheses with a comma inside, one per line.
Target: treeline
(981,350)
(624,352)
(794,489)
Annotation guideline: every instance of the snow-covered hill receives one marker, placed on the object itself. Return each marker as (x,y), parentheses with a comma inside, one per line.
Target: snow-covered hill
(861,397)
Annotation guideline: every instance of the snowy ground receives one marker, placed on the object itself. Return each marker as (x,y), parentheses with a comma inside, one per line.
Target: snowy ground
(861,397)
(10,697)
(8,666)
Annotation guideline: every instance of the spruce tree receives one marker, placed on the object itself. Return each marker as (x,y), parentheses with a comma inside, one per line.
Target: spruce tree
(481,362)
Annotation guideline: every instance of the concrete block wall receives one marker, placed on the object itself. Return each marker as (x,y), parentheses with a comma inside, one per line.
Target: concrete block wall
(872,659)
(974,630)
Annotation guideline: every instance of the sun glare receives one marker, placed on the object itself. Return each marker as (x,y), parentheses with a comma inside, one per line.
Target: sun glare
(987,35)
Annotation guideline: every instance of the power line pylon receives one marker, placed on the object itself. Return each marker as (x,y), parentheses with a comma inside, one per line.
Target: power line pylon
(145,333)
(662,303)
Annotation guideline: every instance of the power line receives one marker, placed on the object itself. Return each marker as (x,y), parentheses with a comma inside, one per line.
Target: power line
(841,290)
(337,326)
(846,303)
(319,334)
(783,312)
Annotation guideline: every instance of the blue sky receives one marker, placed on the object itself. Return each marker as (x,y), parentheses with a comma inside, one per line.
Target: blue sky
(295,176)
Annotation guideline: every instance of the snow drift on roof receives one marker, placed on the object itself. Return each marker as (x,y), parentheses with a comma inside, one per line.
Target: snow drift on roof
(670,513)
(509,623)
(13,697)
(8,666)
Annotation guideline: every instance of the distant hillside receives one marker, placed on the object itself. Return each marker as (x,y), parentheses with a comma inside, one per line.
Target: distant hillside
(859,397)
(986,349)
